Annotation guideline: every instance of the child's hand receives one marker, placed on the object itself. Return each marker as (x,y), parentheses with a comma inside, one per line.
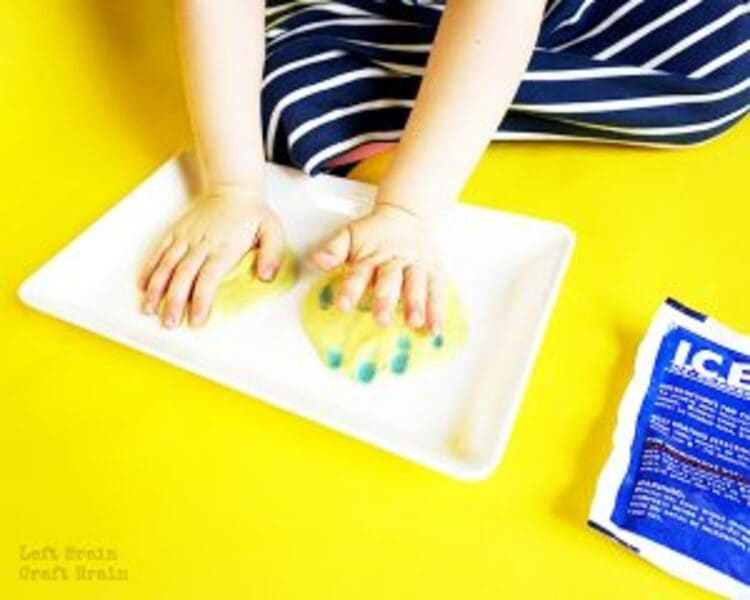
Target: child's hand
(396,250)
(202,247)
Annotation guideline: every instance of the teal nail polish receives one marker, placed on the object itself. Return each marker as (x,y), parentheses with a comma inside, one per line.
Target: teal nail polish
(326,297)
(334,358)
(399,363)
(437,341)
(366,372)
(404,343)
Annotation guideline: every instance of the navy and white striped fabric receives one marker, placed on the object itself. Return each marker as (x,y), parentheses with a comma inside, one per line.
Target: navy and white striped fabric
(655,72)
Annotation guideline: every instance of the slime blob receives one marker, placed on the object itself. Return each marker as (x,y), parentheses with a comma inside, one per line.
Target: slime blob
(353,343)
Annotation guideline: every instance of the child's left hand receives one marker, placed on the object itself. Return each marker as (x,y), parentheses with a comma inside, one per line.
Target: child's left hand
(395,250)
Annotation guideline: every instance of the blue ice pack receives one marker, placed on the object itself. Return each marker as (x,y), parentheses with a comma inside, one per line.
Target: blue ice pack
(676,488)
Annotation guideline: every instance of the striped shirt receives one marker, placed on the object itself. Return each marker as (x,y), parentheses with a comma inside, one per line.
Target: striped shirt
(341,75)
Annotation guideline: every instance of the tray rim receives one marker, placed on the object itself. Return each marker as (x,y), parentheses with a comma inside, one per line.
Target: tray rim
(451,465)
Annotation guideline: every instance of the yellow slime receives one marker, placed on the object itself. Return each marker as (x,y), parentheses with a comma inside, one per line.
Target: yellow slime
(241,288)
(356,345)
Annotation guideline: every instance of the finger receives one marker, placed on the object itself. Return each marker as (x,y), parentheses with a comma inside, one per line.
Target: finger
(271,246)
(353,286)
(153,260)
(415,296)
(180,286)
(389,280)
(209,278)
(159,279)
(436,304)
(334,252)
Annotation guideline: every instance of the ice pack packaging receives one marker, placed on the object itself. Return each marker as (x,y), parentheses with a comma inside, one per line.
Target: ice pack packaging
(676,487)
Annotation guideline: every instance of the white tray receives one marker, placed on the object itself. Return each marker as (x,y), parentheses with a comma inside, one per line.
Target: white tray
(453,417)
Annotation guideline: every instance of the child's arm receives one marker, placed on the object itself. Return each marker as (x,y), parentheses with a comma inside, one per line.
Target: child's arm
(481,51)
(221,49)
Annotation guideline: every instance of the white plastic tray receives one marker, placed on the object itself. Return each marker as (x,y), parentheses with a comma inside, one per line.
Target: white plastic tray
(453,417)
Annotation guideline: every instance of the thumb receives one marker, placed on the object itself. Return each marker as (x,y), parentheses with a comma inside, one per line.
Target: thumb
(334,252)
(270,250)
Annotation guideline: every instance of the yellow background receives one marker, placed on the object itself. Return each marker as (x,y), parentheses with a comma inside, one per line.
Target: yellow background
(204,493)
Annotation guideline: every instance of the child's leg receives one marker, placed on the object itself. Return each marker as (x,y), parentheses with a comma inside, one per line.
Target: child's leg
(334,78)
(649,72)
(341,79)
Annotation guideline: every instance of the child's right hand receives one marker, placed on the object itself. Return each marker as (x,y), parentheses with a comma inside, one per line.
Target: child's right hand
(202,247)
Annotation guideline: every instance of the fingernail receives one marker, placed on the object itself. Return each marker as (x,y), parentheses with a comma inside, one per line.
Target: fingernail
(148,307)
(269,271)
(169,321)
(381,312)
(344,303)
(383,318)
(325,258)
(266,273)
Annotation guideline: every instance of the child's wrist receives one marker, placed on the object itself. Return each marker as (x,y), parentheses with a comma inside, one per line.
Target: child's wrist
(403,210)
(419,199)
(420,203)
(241,192)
